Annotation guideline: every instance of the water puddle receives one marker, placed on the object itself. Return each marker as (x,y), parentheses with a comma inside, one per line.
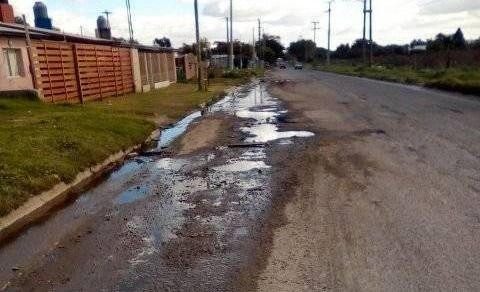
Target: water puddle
(167,136)
(133,194)
(171,164)
(269,132)
(242,166)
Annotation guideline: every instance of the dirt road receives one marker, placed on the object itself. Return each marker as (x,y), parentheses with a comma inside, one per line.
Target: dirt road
(388,197)
(306,182)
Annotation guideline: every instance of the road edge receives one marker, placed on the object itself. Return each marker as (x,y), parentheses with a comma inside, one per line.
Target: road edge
(41,204)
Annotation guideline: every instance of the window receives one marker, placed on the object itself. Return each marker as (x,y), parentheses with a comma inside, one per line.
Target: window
(13,62)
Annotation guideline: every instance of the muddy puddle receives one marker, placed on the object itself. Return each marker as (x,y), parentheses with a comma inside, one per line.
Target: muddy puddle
(165,217)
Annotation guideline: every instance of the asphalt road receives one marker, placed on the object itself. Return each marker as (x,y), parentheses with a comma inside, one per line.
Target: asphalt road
(384,197)
(388,196)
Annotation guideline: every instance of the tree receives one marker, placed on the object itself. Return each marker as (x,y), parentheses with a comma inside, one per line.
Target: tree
(458,40)
(270,48)
(475,44)
(342,52)
(163,42)
(441,42)
(302,50)
(192,49)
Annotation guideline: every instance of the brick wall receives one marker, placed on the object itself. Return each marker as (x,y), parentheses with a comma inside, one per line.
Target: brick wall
(6,13)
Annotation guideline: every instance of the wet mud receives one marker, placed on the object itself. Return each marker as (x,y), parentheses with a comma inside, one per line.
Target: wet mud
(199,220)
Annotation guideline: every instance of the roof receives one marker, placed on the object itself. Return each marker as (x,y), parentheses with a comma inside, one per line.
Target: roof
(13,29)
(9,31)
(144,48)
(41,33)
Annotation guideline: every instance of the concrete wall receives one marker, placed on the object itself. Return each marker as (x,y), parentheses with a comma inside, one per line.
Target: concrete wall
(155,69)
(137,76)
(23,82)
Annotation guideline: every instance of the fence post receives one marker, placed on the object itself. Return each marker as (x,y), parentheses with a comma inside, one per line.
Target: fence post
(77,73)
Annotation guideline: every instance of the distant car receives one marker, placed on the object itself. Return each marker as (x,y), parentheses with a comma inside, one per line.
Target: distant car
(298,66)
(282,66)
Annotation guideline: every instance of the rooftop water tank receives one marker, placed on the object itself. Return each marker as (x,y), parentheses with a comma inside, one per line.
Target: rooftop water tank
(103,30)
(102,23)
(40,10)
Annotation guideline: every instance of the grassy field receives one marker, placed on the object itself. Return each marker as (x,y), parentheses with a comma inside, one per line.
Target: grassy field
(44,144)
(461,80)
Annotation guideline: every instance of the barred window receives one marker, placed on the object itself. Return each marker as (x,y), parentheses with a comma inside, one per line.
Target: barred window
(13,62)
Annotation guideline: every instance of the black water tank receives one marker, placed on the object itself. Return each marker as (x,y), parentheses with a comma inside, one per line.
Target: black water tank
(102,23)
(40,10)
(3,1)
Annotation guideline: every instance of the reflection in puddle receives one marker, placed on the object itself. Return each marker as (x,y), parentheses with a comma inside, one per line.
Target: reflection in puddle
(242,166)
(171,164)
(269,132)
(133,194)
(260,116)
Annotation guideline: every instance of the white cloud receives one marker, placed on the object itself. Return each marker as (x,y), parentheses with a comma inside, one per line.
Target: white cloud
(395,21)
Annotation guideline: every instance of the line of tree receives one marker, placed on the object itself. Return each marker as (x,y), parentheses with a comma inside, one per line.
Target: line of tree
(306,51)
(442,42)
(269,49)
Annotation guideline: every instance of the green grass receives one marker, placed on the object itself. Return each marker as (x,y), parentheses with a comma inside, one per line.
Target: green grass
(464,80)
(44,144)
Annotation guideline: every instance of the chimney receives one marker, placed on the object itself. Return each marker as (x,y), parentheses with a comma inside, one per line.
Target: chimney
(6,12)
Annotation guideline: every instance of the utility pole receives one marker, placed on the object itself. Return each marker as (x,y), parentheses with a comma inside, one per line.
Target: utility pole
(228,31)
(370,41)
(199,50)
(231,36)
(107,13)
(364,42)
(370,62)
(315,28)
(129,16)
(260,38)
(329,31)
(81,30)
(254,51)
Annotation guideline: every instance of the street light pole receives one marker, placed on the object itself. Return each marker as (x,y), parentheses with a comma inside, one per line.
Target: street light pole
(199,50)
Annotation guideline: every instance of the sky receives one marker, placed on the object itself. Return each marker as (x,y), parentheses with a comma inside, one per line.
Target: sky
(394,21)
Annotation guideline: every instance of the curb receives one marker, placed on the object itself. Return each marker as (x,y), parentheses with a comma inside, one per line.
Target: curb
(38,206)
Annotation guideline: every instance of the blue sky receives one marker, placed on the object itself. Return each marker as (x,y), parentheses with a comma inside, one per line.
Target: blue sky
(395,21)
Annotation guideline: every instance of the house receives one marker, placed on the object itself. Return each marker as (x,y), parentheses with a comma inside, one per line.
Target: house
(14,63)
(63,67)
(219,61)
